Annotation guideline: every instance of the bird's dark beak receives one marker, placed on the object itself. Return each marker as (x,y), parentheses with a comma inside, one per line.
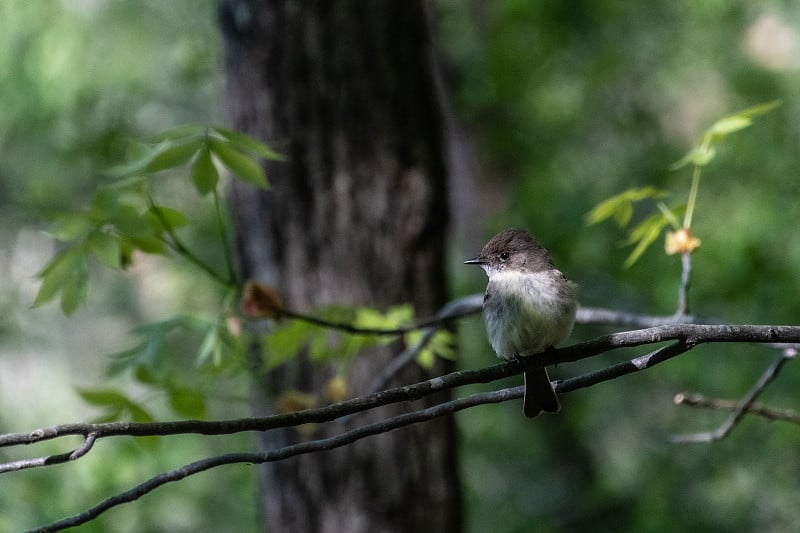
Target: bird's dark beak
(475,261)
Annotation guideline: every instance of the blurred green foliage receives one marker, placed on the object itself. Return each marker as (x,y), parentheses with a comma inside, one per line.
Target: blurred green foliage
(573,103)
(80,78)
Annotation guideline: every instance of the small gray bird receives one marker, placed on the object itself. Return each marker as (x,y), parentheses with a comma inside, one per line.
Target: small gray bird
(529,307)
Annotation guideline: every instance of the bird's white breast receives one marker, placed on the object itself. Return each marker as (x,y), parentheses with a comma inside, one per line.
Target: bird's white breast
(527,312)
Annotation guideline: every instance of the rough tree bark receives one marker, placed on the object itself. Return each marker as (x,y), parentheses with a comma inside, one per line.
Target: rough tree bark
(356,216)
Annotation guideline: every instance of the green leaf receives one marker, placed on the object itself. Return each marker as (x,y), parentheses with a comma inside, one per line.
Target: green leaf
(759,109)
(116,403)
(70,226)
(683,161)
(105,248)
(643,235)
(426,358)
(248,144)
(204,172)
(671,215)
(179,133)
(620,206)
(239,164)
(134,166)
(702,153)
(74,291)
(394,317)
(443,344)
(130,221)
(207,347)
(728,125)
(285,343)
(187,403)
(142,230)
(144,374)
(644,243)
(103,397)
(171,155)
(60,272)
(440,345)
(167,217)
(138,413)
(147,244)
(398,315)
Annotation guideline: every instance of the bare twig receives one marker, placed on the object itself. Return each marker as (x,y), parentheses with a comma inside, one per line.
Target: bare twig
(742,408)
(77,453)
(626,367)
(599,316)
(683,289)
(719,404)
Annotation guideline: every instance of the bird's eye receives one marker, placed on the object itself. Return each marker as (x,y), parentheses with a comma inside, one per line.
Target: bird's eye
(504,256)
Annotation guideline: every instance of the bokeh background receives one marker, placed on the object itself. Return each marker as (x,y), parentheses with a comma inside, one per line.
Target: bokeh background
(552,108)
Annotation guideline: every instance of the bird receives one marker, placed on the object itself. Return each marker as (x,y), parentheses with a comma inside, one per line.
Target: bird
(529,307)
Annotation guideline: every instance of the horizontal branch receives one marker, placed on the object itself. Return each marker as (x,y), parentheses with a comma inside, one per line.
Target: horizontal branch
(684,339)
(688,334)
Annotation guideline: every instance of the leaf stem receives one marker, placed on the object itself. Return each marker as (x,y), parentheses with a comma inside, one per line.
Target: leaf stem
(177,245)
(226,245)
(687,218)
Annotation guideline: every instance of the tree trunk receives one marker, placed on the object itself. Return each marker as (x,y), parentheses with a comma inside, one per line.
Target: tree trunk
(356,216)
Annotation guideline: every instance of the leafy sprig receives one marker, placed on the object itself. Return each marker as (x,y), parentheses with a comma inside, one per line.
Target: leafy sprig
(680,240)
(123,218)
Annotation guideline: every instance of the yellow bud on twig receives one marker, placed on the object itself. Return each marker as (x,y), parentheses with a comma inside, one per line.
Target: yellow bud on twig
(680,242)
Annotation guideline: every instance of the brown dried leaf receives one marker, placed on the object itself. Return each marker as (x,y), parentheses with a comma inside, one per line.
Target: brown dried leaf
(261,301)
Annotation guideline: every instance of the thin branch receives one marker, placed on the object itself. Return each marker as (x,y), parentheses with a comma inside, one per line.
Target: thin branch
(599,316)
(49,460)
(744,405)
(626,367)
(177,245)
(719,404)
(469,305)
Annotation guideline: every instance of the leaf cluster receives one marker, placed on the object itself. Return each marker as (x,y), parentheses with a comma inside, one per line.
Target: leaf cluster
(123,218)
(156,364)
(620,207)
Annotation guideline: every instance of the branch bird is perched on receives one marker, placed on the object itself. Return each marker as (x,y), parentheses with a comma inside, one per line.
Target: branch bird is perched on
(528,308)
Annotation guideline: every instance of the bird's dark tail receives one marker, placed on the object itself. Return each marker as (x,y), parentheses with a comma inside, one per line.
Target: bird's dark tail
(539,394)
